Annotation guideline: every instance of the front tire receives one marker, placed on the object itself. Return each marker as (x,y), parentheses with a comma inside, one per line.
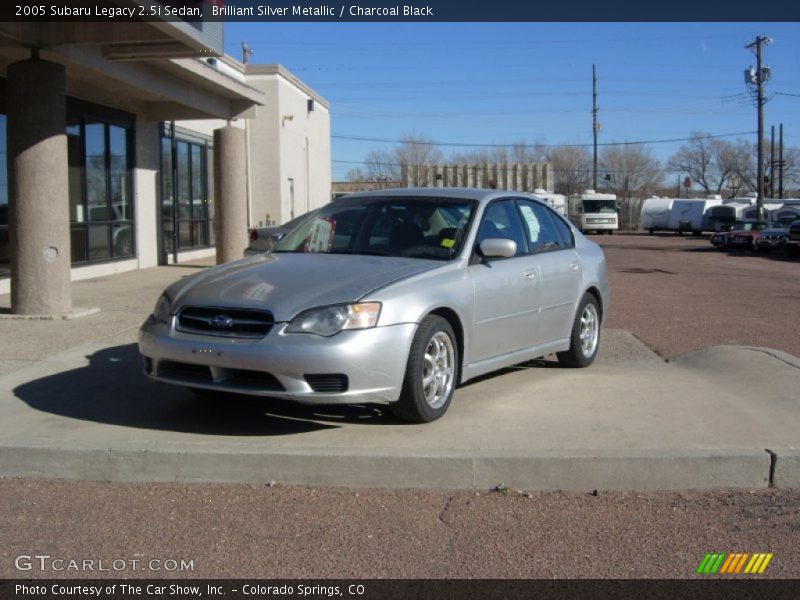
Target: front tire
(585,338)
(431,373)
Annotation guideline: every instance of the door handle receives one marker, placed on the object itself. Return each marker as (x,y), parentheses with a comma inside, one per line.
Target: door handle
(529,275)
(574,266)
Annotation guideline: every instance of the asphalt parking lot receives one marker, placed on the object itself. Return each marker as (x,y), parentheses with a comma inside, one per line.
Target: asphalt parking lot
(318,531)
(679,293)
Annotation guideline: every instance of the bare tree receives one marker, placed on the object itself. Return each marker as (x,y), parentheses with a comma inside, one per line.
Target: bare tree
(414,153)
(712,163)
(746,168)
(381,165)
(631,170)
(572,168)
(791,171)
(355,174)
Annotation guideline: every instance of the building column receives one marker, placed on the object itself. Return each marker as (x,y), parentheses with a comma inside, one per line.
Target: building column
(230,193)
(39,189)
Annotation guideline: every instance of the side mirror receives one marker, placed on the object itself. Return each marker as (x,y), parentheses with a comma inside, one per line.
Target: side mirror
(498,248)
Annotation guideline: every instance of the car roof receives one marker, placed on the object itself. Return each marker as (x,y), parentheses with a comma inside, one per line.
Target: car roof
(448,192)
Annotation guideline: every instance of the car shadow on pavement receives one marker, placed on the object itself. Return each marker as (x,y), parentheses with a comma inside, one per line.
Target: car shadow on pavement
(112,389)
(548,362)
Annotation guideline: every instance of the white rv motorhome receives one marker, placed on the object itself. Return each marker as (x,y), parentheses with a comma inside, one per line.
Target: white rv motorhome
(591,211)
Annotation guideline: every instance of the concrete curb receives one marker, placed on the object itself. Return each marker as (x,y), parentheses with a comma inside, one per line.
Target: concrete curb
(76,313)
(584,471)
(787,468)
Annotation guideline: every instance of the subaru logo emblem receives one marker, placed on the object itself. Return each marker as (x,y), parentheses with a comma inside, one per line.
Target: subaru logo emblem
(221,322)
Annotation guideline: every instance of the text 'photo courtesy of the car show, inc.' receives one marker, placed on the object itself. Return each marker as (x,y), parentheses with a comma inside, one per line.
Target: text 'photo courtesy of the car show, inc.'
(424,299)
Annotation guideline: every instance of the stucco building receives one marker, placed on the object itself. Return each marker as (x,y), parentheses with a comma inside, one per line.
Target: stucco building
(128,145)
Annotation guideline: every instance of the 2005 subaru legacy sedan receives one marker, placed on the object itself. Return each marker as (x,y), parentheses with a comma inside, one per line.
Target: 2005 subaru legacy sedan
(393,296)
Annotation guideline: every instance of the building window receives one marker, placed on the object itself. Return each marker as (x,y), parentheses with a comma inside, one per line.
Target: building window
(100,164)
(4,243)
(187,208)
(101,210)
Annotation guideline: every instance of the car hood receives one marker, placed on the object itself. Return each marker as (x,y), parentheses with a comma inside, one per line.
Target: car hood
(287,284)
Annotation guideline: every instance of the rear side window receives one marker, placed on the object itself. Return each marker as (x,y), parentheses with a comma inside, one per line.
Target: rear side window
(544,230)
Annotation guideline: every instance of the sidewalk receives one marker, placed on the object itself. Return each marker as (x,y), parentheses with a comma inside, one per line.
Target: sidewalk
(74,404)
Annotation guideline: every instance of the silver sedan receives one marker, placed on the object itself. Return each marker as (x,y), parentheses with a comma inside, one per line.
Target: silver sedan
(394,297)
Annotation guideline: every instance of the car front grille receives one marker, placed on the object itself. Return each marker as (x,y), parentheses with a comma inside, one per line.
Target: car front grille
(230,322)
(330,383)
(244,379)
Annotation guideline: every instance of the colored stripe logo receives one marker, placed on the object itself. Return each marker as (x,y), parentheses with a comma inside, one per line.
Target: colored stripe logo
(733,563)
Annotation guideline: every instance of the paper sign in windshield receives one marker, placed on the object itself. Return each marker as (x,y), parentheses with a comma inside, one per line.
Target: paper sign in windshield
(321,237)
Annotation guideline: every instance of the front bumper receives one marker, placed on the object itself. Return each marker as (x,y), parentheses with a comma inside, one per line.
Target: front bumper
(371,361)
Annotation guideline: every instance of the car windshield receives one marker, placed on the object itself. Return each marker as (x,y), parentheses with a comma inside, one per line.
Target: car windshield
(599,206)
(417,227)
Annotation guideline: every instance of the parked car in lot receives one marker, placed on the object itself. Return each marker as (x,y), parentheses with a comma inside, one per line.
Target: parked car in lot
(393,296)
(793,238)
(773,238)
(744,240)
(262,239)
(722,239)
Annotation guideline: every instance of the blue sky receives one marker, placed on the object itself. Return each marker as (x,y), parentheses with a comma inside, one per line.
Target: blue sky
(506,82)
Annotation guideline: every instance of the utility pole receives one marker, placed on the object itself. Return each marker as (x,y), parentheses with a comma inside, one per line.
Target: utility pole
(780,162)
(595,126)
(758,78)
(772,162)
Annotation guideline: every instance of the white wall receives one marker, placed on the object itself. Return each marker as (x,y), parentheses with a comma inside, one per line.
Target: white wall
(282,149)
(288,142)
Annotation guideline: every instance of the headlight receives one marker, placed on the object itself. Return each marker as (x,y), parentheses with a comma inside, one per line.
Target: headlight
(330,320)
(162,311)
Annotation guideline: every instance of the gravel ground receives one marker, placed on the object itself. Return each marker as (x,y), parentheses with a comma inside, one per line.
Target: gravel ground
(675,294)
(678,294)
(261,531)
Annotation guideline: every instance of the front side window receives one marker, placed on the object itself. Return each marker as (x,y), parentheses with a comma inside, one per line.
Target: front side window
(419,227)
(500,220)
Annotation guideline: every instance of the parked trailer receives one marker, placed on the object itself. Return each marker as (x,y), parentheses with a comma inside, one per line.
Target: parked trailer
(721,218)
(690,214)
(557,202)
(785,213)
(655,214)
(591,211)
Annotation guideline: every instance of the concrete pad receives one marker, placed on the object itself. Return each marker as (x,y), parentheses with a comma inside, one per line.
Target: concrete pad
(631,421)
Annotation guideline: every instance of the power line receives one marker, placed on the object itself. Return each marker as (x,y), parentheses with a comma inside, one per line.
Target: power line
(483,145)
(497,166)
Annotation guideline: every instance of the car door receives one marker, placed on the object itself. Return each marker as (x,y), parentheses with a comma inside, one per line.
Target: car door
(552,248)
(506,290)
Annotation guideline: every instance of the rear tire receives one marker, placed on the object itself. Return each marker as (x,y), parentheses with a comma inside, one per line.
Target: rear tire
(431,373)
(585,338)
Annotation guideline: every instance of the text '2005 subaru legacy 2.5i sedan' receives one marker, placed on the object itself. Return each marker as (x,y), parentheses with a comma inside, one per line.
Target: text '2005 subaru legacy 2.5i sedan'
(394,297)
